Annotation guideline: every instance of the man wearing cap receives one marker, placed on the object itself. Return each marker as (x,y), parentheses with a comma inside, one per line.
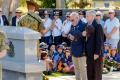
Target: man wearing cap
(99,18)
(66,29)
(3,19)
(111,29)
(82,16)
(17,16)
(32,20)
(47,24)
(56,28)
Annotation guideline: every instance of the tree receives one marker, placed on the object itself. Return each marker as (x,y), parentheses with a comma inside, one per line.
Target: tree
(81,4)
(67,2)
(78,3)
(9,6)
(14,5)
(22,3)
(48,3)
(6,7)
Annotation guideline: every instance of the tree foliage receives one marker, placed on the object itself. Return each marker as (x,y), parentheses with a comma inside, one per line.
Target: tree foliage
(81,4)
(22,3)
(48,3)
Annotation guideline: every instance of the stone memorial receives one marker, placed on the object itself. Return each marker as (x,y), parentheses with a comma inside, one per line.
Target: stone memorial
(21,62)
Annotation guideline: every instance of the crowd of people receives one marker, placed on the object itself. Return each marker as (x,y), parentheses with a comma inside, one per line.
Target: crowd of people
(57,51)
(78,45)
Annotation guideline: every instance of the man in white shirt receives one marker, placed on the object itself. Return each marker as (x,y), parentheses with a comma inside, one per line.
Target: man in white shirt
(111,29)
(47,24)
(17,16)
(99,18)
(66,29)
(82,16)
(3,19)
(56,29)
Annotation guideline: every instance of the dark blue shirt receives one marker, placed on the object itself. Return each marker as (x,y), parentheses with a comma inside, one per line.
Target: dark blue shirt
(78,45)
(116,58)
(56,56)
(68,60)
(105,53)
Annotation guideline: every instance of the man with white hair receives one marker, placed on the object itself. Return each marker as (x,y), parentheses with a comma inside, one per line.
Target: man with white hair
(111,29)
(3,19)
(94,47)
(76,35)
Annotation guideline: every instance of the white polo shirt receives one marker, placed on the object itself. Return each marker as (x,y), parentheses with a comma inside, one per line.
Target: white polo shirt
(17,20)
(57,29)
(66,27)
(84,20)
(1,21)
(110,24)
(47,25)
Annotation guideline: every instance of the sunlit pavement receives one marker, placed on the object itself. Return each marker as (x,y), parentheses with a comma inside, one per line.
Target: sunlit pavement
(112,76)
(109,76)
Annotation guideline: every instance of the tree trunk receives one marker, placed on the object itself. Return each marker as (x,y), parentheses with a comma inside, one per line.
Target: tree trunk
(14,5)
(6,7)
(60,4)
(0,3)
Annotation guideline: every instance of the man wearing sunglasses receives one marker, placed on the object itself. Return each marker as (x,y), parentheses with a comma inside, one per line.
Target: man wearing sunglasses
(76,35)
(17,16)
(66,28)
(99,18)
(111,29)
(82,16)
(47,21)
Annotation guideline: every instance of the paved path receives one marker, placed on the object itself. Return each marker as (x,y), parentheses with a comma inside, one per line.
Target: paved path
(109,76)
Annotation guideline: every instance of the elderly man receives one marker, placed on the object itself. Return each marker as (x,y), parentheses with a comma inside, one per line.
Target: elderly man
(94,46)
(76,35)
(17,16)
(3,19)
(111,29)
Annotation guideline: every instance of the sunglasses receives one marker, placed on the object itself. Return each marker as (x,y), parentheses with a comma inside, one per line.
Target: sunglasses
(80,14)
(45,14)
(68,16)
(18,12)
(97,15)
(110,13)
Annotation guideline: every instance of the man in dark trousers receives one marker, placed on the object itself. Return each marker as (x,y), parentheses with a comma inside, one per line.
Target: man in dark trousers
(94,47)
